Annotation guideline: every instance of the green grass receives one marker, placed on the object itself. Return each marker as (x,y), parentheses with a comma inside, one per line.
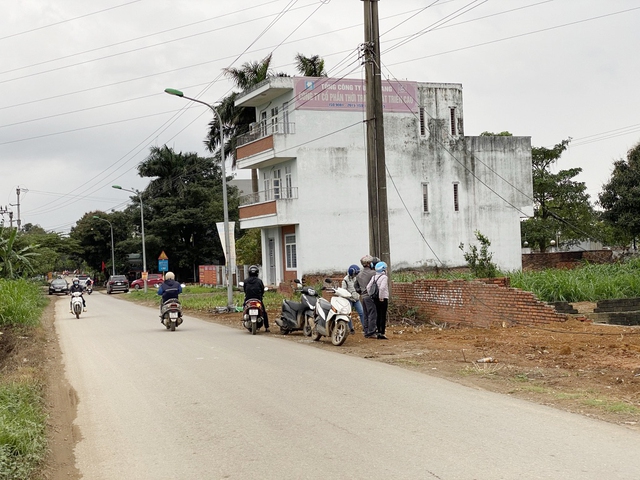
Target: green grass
(21,303)
(22,430)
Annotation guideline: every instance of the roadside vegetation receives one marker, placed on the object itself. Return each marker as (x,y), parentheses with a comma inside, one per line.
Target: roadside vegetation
(22,409)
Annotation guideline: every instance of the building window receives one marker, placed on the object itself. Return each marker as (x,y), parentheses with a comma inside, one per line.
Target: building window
(456,198)
(288,183)
(290,248)
(423,123)
(453,120)
(274,120)
(263,124)
(276,183)
(285,117)
(267,186)
(425,198)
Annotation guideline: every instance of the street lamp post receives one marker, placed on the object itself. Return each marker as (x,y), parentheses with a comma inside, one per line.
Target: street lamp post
(178,93)
(113,262)
(144,253)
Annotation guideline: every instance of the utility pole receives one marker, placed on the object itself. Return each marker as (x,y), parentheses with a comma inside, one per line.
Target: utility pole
(3,211)
(376,165)
(18,222)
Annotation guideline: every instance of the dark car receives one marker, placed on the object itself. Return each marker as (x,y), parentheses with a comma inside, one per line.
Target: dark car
(117,283)
(59,285)
(152,280)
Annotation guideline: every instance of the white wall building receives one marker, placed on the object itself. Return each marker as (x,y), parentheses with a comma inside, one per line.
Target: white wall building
(308,146)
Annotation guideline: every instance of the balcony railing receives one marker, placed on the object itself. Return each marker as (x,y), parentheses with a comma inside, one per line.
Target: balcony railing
(269,195)
(263,129)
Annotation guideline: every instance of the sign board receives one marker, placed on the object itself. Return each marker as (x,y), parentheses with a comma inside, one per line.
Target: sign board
(163,256)
(229,252)
(208,274)
(145,275)
(163,265)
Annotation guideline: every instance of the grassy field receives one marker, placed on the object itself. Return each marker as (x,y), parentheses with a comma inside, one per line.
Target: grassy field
(22,417)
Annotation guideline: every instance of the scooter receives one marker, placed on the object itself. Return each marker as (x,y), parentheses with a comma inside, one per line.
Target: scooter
(76,303)
(253,315)
(171,314)
(88,289)
(331,319)
(297,315)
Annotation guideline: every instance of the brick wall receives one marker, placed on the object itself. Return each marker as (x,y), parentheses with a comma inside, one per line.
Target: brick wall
(473,303)
(566,260)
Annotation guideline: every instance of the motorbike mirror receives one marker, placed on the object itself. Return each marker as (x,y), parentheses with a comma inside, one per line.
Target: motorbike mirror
(241,284)
(327,280)
(297,281)
(183,285)
(266,288)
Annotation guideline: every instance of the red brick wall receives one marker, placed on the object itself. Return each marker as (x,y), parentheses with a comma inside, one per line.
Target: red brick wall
(252,148)
(473,303)
(566,260)
(257,210)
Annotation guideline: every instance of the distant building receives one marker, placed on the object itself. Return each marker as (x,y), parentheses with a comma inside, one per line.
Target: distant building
(309,148)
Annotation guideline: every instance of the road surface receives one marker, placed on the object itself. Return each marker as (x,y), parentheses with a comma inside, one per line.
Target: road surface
(213,402)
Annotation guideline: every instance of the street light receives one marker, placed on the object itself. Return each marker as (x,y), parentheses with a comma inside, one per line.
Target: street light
(113,262)
(178,93)
(144,253)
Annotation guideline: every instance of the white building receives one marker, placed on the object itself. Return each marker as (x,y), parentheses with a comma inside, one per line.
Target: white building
(308,146)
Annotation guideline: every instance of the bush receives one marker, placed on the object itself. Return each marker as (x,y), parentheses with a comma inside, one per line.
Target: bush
(21,302)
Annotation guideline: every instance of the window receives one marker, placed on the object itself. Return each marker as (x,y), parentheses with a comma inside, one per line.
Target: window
(453,120)
(423,123)
(425,198)
(285,117)
(263,123)
(274,120)
(288,183)
(290,248)
(276,183)
(456,202)
(267,185)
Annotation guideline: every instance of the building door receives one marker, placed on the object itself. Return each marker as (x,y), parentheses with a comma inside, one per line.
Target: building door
(272,261)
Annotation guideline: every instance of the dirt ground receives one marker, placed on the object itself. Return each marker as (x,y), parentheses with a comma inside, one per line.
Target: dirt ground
(589,369)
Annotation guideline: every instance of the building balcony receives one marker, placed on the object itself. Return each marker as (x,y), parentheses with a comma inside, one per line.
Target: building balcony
(264,145)
(267,207)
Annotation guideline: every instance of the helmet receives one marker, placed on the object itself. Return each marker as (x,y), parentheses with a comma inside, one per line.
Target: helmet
(253,271)
(169,276)
(366,261)
(75,280)
(374,261)
(353,270)
(381,267)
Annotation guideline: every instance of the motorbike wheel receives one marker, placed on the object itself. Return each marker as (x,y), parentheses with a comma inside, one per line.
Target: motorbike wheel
(340,333)
(306,329)
(315,336)
(284,331)
(173,326)
(254,328)
(77,315)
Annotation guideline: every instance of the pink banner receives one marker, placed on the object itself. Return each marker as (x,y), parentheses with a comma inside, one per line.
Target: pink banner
(349,94)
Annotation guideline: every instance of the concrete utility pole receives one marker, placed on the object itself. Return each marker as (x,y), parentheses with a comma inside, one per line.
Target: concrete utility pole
(19,222)
(376,166)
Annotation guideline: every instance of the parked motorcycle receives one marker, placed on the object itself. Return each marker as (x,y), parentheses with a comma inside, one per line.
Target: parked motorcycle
(76,303)
(171,313)
(331,319)
(253,315)
(297,315)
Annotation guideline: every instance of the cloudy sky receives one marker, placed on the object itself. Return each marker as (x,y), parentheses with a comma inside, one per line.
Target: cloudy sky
(81,83)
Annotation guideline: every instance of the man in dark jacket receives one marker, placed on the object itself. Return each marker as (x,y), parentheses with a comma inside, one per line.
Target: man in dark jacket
(76,287)
(254,288)
(169,289)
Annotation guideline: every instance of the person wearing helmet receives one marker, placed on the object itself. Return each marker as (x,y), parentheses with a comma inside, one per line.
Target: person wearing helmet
(368,306)
(76,287)
(348,283)
(254,288)
(169,288)
(382,302)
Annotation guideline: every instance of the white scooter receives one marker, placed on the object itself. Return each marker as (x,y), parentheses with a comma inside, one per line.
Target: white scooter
(76,303)
(331,319)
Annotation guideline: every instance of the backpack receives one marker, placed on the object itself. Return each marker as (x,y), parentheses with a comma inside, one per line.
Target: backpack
(374,291)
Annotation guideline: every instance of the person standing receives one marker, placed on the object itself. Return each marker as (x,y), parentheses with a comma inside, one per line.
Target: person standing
(382,301)
(348,283)
(369,308)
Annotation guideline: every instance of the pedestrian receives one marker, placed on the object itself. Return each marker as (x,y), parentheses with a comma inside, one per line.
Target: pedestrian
(348,283)
(381,300)
(369,308)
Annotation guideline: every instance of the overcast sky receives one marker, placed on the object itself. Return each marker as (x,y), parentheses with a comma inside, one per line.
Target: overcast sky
(81,83)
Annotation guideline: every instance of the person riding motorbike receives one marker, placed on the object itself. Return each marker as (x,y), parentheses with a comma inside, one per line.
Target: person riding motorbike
(254,288)
(76,287)
(169,289)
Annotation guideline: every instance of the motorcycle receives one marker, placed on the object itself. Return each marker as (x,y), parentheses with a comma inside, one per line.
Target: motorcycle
(331,319)
(171,314)
(297,315)
(253,315)
(76,303)
(88,289)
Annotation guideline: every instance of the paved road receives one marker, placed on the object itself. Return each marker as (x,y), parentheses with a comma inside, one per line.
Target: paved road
(212,402)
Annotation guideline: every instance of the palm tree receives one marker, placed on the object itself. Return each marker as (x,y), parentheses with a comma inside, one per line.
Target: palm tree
(14,261)
(310,66)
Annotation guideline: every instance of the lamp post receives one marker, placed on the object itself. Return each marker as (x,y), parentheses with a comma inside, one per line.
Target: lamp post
(113,262)
(178,93)
(144,253)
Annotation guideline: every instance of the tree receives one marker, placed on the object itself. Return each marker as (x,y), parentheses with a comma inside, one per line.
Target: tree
(310,66)
(491,134)
(620,196)
(480,263)
(561,205)
(15,261)
(249,248)
(182,204)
